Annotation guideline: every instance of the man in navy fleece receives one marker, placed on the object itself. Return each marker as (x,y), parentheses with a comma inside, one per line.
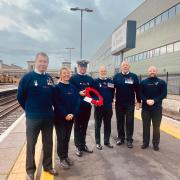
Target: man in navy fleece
(81,81)
(104,113)
(127,89)
(153,91)
(35,95)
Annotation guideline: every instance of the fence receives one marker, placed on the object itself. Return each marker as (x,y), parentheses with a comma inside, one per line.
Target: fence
(172,80)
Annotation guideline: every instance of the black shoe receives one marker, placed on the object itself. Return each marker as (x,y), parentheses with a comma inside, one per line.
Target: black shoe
(78,152)
(129,144)
(119,142)
(156,147)
(64,164)
(98,146)
(69,161)
(144,146)
(108,145)
(86,149)
(52,171)
(30,177)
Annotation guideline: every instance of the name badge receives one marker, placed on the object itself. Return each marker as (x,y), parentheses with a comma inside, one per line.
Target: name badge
(87,99)
(111,85)
(129,81)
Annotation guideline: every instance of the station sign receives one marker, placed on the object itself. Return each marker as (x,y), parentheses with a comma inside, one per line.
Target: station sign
(124,38)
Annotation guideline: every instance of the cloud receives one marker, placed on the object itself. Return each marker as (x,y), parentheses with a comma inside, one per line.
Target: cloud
(29,26)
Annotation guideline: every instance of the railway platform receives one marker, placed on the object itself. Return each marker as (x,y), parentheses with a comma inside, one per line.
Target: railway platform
(117,163)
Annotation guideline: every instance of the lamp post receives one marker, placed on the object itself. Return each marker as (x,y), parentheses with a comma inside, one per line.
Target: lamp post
(70,49)
(82,10)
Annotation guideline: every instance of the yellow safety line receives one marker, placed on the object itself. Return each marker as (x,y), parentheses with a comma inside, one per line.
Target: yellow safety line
(166,127)
(46,175)
(19,171)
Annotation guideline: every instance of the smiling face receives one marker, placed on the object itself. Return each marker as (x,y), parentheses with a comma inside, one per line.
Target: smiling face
(152,71)
(125,66)
(41,62)
(65,74)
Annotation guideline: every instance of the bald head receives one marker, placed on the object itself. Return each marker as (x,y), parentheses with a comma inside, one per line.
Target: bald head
(125,66)
(152,71)
(102,72)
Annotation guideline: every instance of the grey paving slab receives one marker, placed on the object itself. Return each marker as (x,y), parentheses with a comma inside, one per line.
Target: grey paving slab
(121,163)
(10,148)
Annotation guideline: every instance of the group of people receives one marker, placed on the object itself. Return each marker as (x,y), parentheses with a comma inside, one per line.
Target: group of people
(63,104)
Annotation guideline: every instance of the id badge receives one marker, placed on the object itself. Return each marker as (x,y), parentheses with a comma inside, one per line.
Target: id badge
(128,81)
(110,85)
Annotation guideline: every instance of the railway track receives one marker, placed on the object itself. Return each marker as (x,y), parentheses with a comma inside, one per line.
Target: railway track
(10,109)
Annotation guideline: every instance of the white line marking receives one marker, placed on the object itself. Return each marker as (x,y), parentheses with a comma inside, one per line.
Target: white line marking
(13,125)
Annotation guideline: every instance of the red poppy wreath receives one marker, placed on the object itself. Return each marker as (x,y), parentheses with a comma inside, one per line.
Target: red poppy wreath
(90,91)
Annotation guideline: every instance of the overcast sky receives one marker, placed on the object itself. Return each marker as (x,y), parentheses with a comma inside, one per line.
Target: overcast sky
(30,26)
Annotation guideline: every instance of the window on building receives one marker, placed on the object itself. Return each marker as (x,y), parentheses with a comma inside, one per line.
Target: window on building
(146,26)
(151,53)
(152,23)
(138,31)
(142,29)
(172,12)
(157,52)
(158,20)
(140,56)
(148,54)
(163,50)
(178,8)
(164,16)
(177,46)
(136,57)
(144,55)
(170,48)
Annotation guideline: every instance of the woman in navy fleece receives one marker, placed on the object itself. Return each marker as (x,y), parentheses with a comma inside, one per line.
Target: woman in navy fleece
(66,107)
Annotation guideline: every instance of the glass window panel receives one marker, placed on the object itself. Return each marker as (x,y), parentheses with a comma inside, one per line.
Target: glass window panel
(163,50)
(146,26)
(144,55)
(164,16)
(177,46)
(142,29)
(138,31)
(158,20)
(140,56)
(170,48)
(136,57)
(132,58)
(148,55)
(151,23)
(156,52)
(177,8)
(172,12)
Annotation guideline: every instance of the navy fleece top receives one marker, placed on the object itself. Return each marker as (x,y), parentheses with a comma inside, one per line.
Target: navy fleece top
(153,88)
(35,95)
(66,100)
(127,87)
(106,88)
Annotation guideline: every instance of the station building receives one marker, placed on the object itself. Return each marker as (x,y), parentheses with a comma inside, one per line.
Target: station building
(157,41)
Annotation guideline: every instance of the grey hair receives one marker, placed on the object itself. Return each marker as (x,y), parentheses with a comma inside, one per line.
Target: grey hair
(42,54)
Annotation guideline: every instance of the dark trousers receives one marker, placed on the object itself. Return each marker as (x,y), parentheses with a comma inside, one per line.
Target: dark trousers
(33,128)
(63,131)
(80,126)
(155,116)
(125,120)
(105,115)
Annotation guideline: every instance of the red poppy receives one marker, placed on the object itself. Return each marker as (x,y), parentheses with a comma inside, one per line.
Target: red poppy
(98,102)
